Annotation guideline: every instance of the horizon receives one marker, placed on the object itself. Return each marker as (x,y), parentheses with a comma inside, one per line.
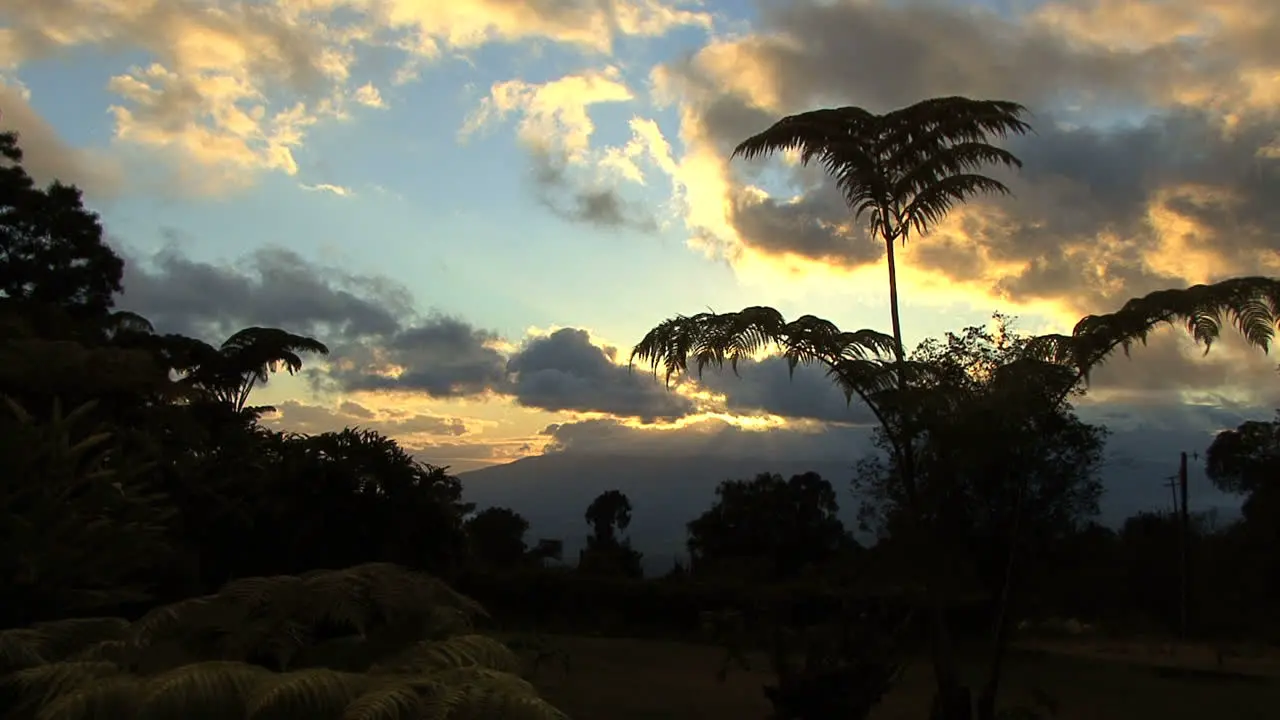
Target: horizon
(482,210)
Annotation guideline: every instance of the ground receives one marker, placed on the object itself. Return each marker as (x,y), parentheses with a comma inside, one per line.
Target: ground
(628,679)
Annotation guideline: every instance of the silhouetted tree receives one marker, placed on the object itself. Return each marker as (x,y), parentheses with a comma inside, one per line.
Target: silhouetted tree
(898,393)
(606,553)
(229,372)
(51,247)
(790,525)
(1246,461)
(904,169)
(609,514)
(496,537)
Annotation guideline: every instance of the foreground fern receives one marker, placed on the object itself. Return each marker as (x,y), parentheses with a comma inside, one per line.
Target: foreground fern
(367,643)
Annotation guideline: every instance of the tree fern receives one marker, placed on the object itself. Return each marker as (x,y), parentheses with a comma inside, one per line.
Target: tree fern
(455,652)
(312,693)
(390,702)
(219,650)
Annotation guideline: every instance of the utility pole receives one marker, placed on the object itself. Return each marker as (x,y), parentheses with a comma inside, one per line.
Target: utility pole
(1184,543)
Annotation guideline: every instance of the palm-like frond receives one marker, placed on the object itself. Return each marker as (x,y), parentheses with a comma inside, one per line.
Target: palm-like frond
(476,693)
(391,702)
(265,349)
(218,689)
(714,338)
(906,168)
(1250,304)
(858,363)
(119,696)
(463,677)
(455,652)
(312,693)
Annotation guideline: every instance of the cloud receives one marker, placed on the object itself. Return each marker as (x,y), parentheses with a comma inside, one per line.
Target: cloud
(441,356)
(369,96)
(271,286)
(710,437)
(379,342)
(1154,162)
(432,438)
(230,89)
(566,371)
(338,190)
(576,181)
(312,419)
(591,204)
(46,157)
(768,387)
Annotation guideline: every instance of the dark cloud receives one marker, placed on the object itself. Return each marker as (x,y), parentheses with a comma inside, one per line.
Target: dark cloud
(441,356)
(565,371)
(1120,130)
(570,199)
(766,386)
(377,340)
(271,287)
(882,55)
(817,226)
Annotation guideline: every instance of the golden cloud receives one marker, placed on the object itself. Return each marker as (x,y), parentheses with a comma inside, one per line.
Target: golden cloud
(1098,216)
(233,87)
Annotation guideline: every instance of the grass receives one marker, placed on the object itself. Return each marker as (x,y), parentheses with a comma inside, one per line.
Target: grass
(629,679)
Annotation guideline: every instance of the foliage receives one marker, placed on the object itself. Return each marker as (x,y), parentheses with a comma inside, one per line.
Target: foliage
(372,641)
(905,168)
(229,372)
(999,456)
(1250,304)
(606,553)
(790,525)
(608,514)
(496,537)
(1246,459)
(53,249)
(82,521)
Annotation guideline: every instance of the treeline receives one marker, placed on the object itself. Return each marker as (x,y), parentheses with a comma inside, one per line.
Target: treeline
(136,472)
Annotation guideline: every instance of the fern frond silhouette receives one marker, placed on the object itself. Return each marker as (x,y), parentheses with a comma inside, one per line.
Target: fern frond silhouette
(379,643)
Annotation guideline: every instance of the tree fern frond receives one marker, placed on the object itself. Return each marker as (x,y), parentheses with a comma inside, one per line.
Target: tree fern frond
(119,652)
(456,652)
(908,166)
(215,689)
(1250,304)
(103,699)
(931,204)
(714,339)
(38,686)
(20,649)
(443,621)
(256,592)
(481,693)
(482,702)
(314,693)
(392,702)
(161,622)
(64,638)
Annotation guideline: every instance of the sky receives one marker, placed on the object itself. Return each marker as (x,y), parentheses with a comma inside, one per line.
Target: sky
(482,205)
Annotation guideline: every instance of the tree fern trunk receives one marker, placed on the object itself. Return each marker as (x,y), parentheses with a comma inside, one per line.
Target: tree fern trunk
(899,351)
(951,701)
